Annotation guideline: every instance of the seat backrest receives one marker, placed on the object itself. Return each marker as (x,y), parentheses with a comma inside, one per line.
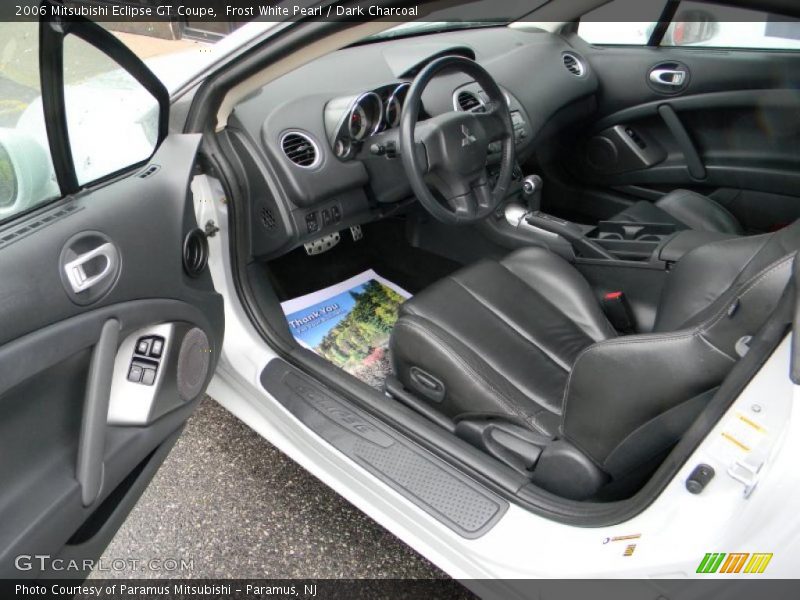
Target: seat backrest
(710,276)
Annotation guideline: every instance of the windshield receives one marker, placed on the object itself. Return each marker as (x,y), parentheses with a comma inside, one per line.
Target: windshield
(421,28)
(470,15)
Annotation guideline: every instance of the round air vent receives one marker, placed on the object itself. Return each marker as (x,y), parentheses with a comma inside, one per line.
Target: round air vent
(574,64)
(195,253)
(300,149)
(469,102)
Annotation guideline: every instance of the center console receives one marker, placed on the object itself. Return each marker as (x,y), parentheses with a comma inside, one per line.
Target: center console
(618,241)
(613,256)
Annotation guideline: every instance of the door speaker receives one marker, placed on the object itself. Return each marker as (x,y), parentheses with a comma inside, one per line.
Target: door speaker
(194,359)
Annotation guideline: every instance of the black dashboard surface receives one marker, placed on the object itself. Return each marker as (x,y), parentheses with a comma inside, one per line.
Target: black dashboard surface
(295,203)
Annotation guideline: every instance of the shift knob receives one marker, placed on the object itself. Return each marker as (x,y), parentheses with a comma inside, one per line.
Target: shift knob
(532,184)
(532,191)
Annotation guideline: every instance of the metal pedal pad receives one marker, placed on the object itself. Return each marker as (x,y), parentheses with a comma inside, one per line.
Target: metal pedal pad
(322,244)
(356,232)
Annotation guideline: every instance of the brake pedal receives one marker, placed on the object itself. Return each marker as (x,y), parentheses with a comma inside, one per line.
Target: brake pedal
(322,244)
(356,232)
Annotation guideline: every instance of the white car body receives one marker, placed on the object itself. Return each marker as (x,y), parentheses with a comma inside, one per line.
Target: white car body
(671,536)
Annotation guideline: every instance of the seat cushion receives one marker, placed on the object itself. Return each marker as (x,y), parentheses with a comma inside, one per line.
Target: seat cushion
(501,337)
(684,209)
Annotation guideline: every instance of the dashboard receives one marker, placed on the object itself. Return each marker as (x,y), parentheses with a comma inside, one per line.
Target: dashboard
(315,149)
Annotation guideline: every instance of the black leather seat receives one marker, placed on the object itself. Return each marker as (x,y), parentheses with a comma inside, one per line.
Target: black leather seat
(524,340)
(684,209)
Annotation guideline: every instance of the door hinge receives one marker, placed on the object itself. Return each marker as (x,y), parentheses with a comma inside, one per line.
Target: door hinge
(211,229)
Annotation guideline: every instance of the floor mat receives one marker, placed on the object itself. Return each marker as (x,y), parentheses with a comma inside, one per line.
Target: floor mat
(349,324)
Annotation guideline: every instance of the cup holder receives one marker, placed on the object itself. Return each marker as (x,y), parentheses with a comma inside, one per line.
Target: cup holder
(631,241)
(633,232)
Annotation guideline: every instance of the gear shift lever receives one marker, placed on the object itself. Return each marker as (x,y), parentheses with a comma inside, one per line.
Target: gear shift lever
(532,192)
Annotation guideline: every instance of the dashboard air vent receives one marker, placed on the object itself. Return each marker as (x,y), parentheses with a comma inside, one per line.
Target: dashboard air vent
(574,64)
(300,149)
(469,102)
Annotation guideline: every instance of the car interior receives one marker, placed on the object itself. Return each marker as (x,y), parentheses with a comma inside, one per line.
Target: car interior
(591,235)
(490,261)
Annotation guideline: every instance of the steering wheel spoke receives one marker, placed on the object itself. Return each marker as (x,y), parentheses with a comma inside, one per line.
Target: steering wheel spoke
(468,198)
(451,150)
(493,123)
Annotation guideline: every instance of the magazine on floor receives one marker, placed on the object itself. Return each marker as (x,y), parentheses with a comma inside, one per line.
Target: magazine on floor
(349,324)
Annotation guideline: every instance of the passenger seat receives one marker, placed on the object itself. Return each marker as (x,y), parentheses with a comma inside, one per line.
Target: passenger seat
(686,210)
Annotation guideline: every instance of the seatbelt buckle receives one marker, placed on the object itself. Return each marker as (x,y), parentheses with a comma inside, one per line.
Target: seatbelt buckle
(618,311)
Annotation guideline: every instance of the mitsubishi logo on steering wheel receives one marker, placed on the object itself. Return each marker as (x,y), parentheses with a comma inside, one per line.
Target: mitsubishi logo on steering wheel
(468,137)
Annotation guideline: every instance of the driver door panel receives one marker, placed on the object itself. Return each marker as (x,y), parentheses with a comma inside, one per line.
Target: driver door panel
(70,471)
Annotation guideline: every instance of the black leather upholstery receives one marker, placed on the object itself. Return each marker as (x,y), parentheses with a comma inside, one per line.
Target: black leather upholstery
(684,209)
(501,337)
(525,339)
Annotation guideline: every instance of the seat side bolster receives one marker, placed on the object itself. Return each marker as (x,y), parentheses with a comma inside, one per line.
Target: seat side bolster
(699,212)
(617,386)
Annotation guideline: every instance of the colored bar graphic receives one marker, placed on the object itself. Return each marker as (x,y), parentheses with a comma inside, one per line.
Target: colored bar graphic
(734,562)
(710,562)
(714,562)
(758,563)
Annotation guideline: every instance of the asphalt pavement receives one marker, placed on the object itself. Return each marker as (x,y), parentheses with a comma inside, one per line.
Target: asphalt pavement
(237,507)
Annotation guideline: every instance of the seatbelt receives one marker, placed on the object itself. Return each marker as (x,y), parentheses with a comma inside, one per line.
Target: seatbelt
(618,312)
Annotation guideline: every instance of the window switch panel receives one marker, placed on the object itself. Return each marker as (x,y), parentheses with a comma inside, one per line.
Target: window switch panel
(146,359)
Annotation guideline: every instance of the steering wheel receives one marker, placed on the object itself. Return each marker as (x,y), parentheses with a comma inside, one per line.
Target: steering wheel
(451,150)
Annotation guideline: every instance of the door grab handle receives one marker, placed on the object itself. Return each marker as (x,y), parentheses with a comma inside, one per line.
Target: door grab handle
(673,77)
(76,273)
(92,444)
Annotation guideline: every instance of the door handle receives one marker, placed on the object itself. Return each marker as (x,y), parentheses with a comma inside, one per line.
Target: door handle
(76,269)
(673,77)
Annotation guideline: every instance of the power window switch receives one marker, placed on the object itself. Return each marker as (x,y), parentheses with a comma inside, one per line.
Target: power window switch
(135,374)
(143,346)
(157,348)
(149,376)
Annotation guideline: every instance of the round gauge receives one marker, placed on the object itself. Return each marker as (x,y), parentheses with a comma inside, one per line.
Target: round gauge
(394,109)
(365,117)
(342,148)
(394,106)
(357,123)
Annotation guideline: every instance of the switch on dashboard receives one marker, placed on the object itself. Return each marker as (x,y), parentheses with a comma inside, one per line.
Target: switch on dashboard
(312,224)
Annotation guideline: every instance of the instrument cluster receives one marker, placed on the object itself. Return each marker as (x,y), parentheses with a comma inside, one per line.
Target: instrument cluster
(350,121)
